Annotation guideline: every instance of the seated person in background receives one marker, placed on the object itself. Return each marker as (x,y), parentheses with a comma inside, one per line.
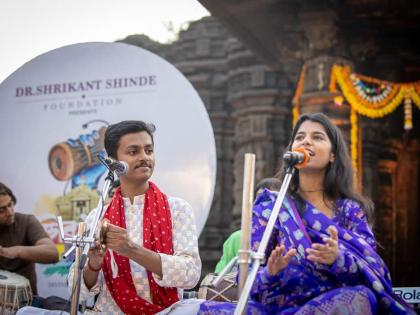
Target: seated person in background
(153,237)
(233,242)
(230,250)
(322,255)
(23,240)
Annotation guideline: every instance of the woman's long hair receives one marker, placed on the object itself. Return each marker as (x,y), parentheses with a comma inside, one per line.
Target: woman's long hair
(338,181)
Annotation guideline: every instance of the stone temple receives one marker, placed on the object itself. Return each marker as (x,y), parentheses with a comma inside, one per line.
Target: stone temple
(245,62)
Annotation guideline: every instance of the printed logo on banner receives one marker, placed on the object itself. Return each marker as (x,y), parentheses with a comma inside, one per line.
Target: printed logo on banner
(55,110)
(84,97)
(408,294)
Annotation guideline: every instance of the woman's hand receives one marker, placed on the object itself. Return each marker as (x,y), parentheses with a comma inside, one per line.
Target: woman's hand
(277,261)
(325,253)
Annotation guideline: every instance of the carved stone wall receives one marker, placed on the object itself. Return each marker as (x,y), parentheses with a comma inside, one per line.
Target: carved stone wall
(249,103)
(260,108)
(388,153)
(249,108)
(201,55)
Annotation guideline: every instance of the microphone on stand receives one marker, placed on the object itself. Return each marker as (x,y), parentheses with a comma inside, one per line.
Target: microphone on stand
(119,167)
(298,158)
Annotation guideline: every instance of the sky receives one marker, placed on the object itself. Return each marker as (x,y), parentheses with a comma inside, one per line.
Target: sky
(29,28)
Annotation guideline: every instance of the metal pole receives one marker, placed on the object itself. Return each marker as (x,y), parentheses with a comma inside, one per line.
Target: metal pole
(224,271)
(85,241)
(247,201)
(74,306)
(260,255)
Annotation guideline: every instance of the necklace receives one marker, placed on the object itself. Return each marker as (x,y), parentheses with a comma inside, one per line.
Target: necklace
(321,204)
(306,191)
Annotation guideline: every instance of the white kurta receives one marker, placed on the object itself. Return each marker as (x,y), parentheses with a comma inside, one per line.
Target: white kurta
(181,270)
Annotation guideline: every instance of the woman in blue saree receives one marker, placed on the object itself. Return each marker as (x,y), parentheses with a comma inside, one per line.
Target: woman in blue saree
(322,253)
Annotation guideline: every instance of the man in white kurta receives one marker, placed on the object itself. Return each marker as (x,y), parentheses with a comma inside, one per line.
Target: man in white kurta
(181,270)
(132,142)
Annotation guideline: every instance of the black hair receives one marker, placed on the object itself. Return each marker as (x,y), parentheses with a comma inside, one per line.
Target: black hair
(270,183)
(114,133)
(115,184)
(4,190)
(338,181)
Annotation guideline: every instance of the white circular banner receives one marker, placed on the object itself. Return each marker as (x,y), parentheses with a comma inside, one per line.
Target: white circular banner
(53,114)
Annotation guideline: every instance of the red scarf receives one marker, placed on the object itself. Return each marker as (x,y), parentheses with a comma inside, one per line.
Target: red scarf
(157,236)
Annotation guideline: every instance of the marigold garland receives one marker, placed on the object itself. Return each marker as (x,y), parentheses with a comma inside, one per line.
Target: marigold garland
(367,96)
(408,113)
(353,142)
(376,97)
(298,94)
(373,98)
(415,95)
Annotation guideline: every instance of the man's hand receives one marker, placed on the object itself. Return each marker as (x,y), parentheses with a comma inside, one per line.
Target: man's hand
(325,253)
(9,252)
(277,261)
(44,252)
(117,239)
(96,256)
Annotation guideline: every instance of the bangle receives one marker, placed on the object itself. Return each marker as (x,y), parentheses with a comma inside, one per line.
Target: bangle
(93,269)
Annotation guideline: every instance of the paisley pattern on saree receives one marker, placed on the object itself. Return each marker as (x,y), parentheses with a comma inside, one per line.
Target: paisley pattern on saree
(357,283)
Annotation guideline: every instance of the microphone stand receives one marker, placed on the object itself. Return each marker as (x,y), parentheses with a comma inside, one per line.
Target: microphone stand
(84,241)
(259,256)
(74,305)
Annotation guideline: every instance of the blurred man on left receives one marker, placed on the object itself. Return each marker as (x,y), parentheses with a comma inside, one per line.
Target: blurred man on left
(23,240)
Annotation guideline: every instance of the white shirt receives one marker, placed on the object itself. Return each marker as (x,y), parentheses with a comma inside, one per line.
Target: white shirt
(181,270)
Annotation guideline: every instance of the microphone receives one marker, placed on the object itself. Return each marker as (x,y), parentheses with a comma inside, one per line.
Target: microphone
(119,167)
(298,158)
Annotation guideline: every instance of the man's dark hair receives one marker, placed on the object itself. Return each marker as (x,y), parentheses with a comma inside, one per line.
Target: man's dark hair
(271,183)
(114,133)
(4,190)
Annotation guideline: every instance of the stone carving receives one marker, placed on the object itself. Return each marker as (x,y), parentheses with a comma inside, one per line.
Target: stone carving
(321,79)
(319,28)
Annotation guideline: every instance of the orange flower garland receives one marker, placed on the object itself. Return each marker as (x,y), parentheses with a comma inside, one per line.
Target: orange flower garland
(408,113)
(367,96)
(379,99)
(298,94)
(389,96)
(353,142)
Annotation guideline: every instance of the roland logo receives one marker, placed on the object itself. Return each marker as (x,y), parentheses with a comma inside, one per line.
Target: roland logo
(408,294)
